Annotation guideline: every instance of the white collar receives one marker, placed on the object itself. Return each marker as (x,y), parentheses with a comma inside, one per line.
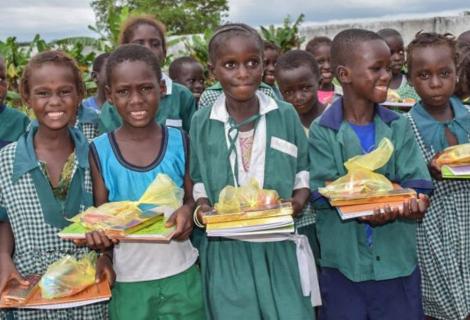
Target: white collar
(168,83)
(219,111)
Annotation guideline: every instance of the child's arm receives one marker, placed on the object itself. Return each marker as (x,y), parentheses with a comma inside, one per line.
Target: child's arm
(7,267)
(182,217)
(434,169)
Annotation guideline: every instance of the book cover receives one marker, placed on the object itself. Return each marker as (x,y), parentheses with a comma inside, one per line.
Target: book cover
(397,194)
(251,224)
(363,210)
(93,294)
(456,172)
(284,209)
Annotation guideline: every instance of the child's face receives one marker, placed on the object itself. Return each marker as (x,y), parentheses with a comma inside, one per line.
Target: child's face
(100,77)
(433,75)
(269,62)
(397,52)
(53,95)
(3,81)
(148,36)
(192,76)
(299,87)
(322,55)
(135,91)
(368,73)
(239,67)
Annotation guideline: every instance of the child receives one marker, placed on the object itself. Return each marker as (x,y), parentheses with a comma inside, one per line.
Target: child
(98,75)
(438,121)
(271,54)
(398,83)
(152,280)
(320,48)
(190,73)
(44,180)
(464,38)
(462,88)
(177,103)
(298,77)
(246,134)
(13,123)
(368,266)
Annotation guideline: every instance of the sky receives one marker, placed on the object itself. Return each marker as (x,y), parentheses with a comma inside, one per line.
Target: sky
(55,19)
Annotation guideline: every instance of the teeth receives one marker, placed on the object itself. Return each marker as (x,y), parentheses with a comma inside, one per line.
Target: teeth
(138,114)
(381,88)
(55,115)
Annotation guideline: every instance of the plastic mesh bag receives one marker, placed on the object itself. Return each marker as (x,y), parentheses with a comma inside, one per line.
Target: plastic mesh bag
(360,178)
(68,276)
(246,198)
(123,215)
(455,155)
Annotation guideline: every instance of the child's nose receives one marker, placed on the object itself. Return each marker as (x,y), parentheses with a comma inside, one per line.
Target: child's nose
(435,81)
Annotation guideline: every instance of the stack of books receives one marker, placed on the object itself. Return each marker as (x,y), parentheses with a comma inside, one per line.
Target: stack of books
(270,221)
(455,162)
(29,297)
(350,206)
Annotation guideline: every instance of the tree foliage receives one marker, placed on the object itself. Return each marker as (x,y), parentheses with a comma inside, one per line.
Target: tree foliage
(179,16)
(286,36)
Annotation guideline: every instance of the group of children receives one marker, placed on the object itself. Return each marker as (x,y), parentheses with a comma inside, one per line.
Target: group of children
(288,120)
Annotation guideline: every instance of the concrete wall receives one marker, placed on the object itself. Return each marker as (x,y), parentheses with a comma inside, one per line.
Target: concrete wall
(407,27)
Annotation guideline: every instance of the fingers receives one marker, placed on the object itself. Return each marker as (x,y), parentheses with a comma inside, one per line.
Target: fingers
(97,240)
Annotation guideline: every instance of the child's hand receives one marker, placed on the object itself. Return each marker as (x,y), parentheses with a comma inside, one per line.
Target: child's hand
(97,240)
(434,169)
(182,218)
(380,218)
(104,269)
(415,208)
(8,272)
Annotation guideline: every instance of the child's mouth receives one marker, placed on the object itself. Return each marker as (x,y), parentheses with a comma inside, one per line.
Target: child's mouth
(381,88)
(55,115)
(138,115)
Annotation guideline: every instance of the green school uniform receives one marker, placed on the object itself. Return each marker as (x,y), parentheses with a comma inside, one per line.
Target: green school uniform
(13,123)
(211,94)
(87,122)
(443,236)
(36,215)
(343,244)
(176,109)
(247,280)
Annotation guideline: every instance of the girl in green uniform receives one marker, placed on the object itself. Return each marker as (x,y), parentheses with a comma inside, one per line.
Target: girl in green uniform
(177,103)
(438,121)
(44,180)
(246,134)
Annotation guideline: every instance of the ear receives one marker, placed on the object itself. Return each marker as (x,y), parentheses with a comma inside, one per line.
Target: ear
(344,74)
(109,97)
(162,87)
(210,66)
(93,75)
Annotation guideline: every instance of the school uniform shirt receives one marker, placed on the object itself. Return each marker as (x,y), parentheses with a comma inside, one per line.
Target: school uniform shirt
(210,95)
(87,122)
(36,216)
(344,244)
(264,277)
(92,104)
(134,262)
(175,109)
(13,123)
(443,236)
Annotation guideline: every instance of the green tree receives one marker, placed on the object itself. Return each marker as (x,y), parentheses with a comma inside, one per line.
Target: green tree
(286,36)
(179,16)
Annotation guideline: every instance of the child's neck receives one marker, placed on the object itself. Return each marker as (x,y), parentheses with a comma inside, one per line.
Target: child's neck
(442,114)
(358,111)
(240,111)
(53,140)
(127,132)
(100,97)
(315,111)
(396,81)
(327,86)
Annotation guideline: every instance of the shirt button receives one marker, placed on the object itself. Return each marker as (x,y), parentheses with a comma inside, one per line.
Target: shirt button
(377,258)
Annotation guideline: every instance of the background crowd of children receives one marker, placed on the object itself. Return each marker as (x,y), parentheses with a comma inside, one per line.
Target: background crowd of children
(290,120)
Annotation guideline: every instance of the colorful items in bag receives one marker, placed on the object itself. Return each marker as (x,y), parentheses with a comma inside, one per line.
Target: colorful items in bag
(455,155)
(361,178)
(246,198)
(124,216)
(68,276)
(394,96)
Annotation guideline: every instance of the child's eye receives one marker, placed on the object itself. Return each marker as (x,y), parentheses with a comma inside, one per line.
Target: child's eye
(155,44)
(424,75)
(230,65)
(65,93)
(43,94)
(307,88)
(252,63)
(288,93)
(146,89)
(122,92)
(445,73)
(2,79)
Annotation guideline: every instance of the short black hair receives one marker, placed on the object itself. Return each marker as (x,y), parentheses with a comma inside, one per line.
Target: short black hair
(389,32)
(430,39)
(346,42)
(271,45)
(230,30)
(463,70)
(316,42)
(177,64)
(99,61)
(294,59)
(132,52)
